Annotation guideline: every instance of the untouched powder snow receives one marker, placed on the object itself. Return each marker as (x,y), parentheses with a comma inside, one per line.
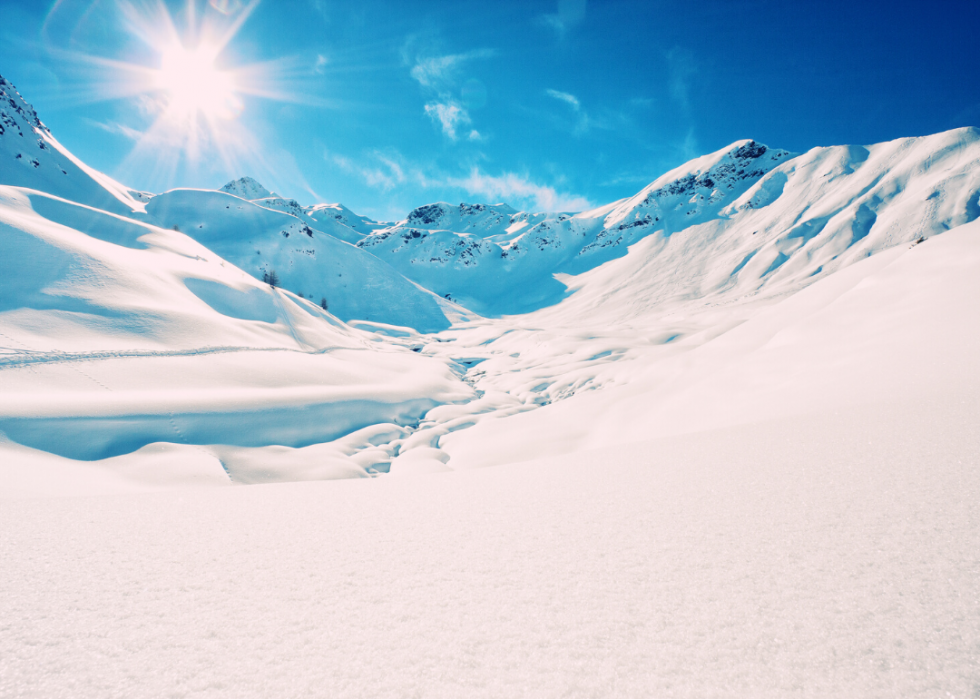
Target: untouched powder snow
(831,555)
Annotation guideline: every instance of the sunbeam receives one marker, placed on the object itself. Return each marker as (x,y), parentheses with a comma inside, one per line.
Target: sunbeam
(184,81)
(194,85)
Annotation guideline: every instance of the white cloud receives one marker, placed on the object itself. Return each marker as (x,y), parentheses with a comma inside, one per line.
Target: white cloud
(439,72)
(510,186)
(117,128)
(386,170)
(449,116)
(320,64)
(433,72)
(475,136)
(439,75)
(565,97)
(384,174)
(583,122)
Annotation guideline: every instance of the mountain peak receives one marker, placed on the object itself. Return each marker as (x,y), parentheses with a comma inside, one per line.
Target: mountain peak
(248,188)
(701,187)
(20,107)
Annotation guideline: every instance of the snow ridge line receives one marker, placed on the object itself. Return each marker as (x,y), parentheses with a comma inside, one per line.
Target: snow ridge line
(25,358)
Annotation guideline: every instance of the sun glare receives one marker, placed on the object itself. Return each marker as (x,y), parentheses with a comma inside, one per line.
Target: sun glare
(187,85)
(195,86)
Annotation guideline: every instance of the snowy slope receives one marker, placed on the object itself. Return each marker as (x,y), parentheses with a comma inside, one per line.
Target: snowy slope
(826,556)
(31,157)
(747,217)
(341,214)
(261,239)
(898,324)
(117,334)
(498,261)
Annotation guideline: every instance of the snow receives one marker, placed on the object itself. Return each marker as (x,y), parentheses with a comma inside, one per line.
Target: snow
(745,219)
(248,188)
(308,260)
(31,156)
(715,439)
(362,225)
(827,556)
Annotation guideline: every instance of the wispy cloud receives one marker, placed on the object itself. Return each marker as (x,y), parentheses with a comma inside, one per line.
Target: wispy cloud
(383,172)
(117,128)
(449,116)
(320,64)
(681,68)
(568,13)
(439,76)
(519,189)
(565,97)
(389,170)
(442,72)
(583,121)
(689,147)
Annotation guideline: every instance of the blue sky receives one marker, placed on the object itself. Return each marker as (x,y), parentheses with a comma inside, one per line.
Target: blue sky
(555,104)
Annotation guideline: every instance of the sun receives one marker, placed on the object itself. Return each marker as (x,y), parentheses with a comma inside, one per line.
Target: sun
(184,83)
(195,86)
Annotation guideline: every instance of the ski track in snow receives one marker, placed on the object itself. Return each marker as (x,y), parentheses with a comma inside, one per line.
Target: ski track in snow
(12,358)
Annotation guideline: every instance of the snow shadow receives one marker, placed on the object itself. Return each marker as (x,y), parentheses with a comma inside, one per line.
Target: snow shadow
(98,437)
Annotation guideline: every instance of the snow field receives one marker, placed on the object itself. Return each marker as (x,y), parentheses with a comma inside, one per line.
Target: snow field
(827,555)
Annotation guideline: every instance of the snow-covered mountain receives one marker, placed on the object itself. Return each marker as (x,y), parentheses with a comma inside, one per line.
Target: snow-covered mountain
(738,229)
(264,236)
(746,216)
(730,425)
(341,214)
(317,261)
(32,157)
(92,268)
(248,188)
(118,329)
